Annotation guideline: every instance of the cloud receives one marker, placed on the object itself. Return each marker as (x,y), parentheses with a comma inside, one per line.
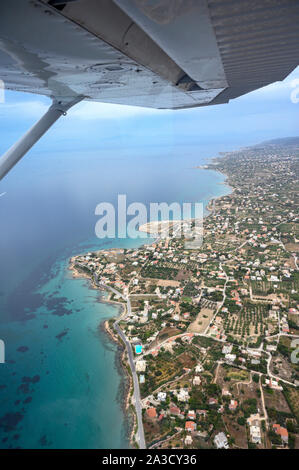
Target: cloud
(86,110)
(23,108)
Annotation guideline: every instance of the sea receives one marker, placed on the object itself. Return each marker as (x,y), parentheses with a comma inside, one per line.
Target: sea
(62,385)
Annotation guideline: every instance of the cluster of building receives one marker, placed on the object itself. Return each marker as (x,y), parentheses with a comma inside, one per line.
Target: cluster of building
(238,289)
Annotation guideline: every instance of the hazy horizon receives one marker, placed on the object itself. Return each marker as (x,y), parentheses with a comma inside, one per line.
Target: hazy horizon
(261,115)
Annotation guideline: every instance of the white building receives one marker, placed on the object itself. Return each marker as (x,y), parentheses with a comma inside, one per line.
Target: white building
(227,349)
(198,368)
(220,441)
(255,434)
(273,384)
(161,396)
(188,440)
(230,357)
(183,395)
(140,366)
(196,380)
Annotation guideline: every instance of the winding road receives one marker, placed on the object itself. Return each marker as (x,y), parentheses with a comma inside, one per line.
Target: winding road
(137,399)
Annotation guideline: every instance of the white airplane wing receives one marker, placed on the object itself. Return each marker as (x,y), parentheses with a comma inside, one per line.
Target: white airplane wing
(153,53)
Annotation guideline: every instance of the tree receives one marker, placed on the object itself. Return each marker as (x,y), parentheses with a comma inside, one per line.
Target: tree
(291,441)
(241,421)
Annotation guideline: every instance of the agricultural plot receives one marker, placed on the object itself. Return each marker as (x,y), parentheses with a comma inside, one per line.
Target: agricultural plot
(202,320)
(159,272)
(292,397)
(276,400)
(250,323)
(164,368)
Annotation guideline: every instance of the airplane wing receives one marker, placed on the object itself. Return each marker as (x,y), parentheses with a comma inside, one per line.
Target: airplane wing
(153,53)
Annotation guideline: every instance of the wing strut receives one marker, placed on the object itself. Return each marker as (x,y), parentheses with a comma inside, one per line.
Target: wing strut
(20,148)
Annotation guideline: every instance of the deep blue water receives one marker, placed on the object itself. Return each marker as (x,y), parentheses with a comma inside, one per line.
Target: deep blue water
(61,386)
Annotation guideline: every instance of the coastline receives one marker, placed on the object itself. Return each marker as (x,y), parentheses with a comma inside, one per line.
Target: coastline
(213,166)
(128,389)
(121,350)
(45,309)
(108,329)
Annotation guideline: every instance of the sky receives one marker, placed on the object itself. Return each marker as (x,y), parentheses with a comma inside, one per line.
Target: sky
(264,114)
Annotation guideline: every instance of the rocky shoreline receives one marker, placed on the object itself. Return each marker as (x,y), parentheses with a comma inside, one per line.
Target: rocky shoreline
(106,327)
(128,381)
(121,351)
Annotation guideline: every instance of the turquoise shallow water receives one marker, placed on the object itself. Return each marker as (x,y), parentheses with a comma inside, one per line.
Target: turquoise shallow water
(61,385)
(62,379)
(70,362)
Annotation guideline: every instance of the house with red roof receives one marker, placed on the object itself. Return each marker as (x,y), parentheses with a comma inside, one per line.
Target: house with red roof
(151,413)
(233,405)
(174,410)
(190,426)
(282,432)
(191,414)
(213,401)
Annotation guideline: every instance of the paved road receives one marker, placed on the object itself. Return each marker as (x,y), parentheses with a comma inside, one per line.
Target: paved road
(140,432)
(137,398)
(263,403)
(222,302)
(275,377)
